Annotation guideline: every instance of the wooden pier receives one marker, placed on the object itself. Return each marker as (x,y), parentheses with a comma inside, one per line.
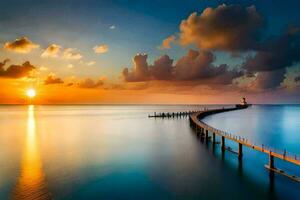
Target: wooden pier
(172,114)
(209,134)
(204,129)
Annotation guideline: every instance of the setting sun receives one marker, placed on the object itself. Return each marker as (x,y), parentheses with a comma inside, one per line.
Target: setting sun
(31,93)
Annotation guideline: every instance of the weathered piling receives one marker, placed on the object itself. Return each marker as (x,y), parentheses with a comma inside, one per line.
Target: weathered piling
(240,152)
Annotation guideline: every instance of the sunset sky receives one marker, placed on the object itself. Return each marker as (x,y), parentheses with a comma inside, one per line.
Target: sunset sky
(133,51)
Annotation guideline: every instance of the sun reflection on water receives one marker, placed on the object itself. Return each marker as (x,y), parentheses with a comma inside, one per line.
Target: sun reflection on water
(31,183)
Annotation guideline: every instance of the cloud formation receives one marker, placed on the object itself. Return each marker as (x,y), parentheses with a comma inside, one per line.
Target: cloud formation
(71,54)
(268,79)
(51,51)
(166,43)
(16,71)
(90,83)
(103,48)
(195,66)
(51,79)
(271,60)
(236,29)
(276,53)
(140,71)
(227,27)
(22,45)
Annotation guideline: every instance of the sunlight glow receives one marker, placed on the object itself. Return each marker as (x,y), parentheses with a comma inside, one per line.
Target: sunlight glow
(31,93)
(31,182)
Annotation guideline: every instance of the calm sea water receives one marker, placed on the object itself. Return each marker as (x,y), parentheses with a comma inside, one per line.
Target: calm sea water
(117,152)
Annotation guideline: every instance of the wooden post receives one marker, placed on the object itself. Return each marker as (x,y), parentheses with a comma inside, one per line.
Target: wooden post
(271,161)
(240,155)
(206,136)
(214,138)
(223,143)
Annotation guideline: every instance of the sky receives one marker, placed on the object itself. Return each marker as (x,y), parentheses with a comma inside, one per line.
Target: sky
(149,52)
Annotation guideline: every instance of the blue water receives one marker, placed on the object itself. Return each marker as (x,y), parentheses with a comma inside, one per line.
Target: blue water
(117,152)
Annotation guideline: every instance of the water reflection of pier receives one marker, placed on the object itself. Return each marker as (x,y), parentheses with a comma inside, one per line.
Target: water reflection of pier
(31,182)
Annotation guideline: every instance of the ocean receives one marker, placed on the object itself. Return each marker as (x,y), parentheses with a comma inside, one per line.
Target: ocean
(117,152)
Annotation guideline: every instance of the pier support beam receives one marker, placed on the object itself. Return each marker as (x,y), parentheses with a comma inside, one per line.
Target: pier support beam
(214,138)
(271,161)
(240,155)
(206,135)
(223,143)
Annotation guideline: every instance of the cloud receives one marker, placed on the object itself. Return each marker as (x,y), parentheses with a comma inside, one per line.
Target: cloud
(195,66)
(16,71)
(103,48)
(112,27)
(275,53)
(90,63)
(268,79)
(90,83)
(51,51)
(229,28)
(3,63)
(162,68)
(51,79)
(140,71)
(71,54)
(21,45)
(166,43)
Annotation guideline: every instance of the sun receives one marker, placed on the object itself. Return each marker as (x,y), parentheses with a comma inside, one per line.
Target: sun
(31,93)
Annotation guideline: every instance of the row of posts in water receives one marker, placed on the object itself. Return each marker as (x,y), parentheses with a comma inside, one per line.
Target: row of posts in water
(174,114)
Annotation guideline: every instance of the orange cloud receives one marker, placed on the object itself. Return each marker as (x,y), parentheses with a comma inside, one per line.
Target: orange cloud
(51,79)
(51,51)
(196,65)
(90,83)
(231,27)
(21,45)
(166,43)
(16,71)
(103,48)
